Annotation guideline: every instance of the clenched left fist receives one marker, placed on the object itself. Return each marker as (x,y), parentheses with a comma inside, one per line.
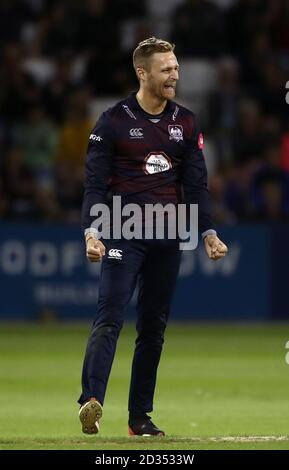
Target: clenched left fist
(214,247)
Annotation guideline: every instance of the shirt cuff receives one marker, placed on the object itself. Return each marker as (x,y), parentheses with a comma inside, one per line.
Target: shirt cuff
(91,230)
(209,232)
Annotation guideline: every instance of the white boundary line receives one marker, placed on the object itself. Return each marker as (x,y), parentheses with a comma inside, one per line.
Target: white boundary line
(237,439)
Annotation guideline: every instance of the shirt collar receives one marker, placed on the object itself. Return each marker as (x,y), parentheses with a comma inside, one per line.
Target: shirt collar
(137,109)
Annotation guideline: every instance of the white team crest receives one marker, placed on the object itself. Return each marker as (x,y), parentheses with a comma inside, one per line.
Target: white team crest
(175,132)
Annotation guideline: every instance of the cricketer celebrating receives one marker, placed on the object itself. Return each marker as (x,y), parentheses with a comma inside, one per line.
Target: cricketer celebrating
(146,149)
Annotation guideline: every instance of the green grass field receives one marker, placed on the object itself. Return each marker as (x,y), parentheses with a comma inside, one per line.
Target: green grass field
(219,387)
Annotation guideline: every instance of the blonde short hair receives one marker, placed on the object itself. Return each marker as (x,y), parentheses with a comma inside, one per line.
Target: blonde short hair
(147,48)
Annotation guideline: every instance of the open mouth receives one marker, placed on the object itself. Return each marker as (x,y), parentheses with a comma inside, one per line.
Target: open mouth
(170,87)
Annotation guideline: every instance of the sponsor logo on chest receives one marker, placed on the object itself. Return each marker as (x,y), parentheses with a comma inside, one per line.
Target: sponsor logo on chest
(156,162)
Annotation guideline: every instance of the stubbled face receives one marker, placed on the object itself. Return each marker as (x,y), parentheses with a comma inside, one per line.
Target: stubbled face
(161,78)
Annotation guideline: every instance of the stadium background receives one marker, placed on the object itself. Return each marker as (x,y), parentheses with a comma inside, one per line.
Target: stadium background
(62,63)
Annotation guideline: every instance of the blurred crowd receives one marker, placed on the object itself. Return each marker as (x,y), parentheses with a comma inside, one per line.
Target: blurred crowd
(62,60)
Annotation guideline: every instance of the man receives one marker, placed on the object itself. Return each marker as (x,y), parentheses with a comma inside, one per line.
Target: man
(146,149)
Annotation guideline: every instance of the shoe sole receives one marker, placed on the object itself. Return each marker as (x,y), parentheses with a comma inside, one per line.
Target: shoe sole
(89,415)
(131,433)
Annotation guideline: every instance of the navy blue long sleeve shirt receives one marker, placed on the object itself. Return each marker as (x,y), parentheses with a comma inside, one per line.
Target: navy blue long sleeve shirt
(146,159)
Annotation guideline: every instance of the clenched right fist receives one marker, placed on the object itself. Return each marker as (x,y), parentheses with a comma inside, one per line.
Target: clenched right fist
(95,249)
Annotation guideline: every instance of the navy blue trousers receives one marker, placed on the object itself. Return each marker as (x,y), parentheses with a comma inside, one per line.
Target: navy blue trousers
(154,264)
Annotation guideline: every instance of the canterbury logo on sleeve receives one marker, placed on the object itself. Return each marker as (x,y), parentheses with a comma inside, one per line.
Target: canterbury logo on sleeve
(94,137)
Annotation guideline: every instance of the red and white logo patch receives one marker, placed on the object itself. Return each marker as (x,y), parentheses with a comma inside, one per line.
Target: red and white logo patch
(201,141)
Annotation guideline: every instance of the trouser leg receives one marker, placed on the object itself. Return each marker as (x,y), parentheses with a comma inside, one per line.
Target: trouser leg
(117,284)
(157,283)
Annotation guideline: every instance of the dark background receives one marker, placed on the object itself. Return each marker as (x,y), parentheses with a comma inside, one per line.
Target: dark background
(63,62)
